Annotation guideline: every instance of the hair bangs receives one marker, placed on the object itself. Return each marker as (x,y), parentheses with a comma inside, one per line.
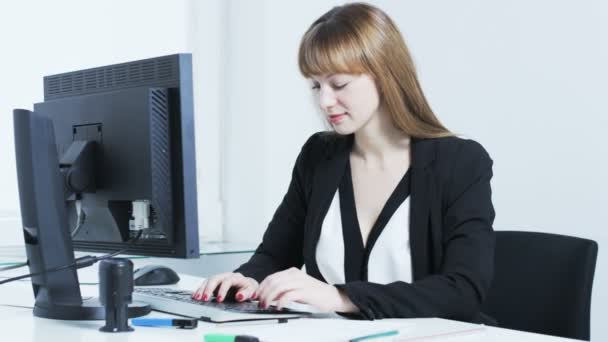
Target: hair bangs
(324,51)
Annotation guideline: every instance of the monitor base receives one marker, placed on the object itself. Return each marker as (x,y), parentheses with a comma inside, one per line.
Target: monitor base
(91,309)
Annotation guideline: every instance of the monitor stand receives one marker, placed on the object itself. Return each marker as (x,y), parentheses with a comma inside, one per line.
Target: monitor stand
(48,243)
(91,309)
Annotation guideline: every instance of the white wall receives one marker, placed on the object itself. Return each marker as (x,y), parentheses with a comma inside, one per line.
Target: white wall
(208,40)
(527,79)
(41,38)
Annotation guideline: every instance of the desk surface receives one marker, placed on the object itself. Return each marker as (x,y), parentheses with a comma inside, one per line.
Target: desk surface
(14,253)
(18,323)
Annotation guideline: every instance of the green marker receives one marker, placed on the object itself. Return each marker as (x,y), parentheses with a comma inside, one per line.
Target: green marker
(230,338)
(372,336)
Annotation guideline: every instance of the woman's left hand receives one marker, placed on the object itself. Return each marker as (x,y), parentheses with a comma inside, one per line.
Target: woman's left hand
(294,285)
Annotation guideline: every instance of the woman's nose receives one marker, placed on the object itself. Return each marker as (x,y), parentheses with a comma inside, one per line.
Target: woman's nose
(327,98)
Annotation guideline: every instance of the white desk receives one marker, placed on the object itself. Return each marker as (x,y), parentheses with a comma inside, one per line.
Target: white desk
(215,257)
(18,324)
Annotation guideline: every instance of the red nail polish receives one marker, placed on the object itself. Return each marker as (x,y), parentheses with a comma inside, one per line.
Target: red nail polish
(219,298)
(239,296)
(205,297)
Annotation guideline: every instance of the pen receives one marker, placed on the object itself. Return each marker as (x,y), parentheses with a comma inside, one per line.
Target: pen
(377,335)
(165,322)
(230,338)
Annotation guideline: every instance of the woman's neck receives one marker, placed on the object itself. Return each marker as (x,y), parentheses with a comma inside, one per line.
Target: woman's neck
(379,141)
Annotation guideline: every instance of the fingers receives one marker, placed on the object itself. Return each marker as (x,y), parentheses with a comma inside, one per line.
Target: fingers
(208,286)
(224,284)
(263,289)
(237,287)
(274,278)
(277,289)
(247,291)
(276,284)
(198,293)
(227,283)
(287,297)
(245,288)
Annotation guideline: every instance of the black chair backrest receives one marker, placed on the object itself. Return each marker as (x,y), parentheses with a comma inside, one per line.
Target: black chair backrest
(542,283)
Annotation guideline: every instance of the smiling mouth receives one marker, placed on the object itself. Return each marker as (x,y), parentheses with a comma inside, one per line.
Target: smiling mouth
(337,117)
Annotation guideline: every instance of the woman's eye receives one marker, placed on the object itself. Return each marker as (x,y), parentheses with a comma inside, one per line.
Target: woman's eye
(334,86)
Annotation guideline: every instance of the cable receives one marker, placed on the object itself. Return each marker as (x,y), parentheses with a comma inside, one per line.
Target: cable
(11,267)
(131,243)
(80,217)
(81,262)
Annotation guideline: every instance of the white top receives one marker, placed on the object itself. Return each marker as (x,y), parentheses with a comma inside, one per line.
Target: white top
(390,257)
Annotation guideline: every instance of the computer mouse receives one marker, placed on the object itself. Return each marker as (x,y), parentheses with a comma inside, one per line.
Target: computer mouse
(155,275)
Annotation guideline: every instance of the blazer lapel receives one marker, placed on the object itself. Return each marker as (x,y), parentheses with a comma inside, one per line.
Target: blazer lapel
(422,156)
(327,176)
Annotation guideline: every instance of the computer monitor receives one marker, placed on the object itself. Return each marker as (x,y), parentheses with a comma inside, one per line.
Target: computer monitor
(125,138)
(107,156)
(43,214)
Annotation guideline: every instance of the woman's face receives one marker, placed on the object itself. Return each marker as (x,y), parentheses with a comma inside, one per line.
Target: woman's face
(349,101)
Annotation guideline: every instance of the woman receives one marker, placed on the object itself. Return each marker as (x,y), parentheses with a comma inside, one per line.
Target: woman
(390,213)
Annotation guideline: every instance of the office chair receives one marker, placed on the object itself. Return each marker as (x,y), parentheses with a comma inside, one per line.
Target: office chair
(542,283)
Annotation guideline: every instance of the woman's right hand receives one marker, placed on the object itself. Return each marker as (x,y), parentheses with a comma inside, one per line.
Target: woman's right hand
(220,284)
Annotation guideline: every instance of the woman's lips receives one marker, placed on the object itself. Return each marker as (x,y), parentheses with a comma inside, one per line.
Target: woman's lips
(336,118)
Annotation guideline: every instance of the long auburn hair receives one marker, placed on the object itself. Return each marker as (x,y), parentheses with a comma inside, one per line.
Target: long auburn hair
(359,38)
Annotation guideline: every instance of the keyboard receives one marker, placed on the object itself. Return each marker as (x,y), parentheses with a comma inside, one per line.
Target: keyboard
(180,302)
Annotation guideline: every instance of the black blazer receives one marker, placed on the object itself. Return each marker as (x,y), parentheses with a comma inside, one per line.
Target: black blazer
(451,235)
